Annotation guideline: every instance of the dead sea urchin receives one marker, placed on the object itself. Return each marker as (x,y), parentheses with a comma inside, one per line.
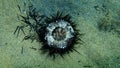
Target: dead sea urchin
(58,35)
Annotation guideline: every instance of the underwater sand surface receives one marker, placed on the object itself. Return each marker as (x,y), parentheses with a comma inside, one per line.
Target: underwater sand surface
(100,50)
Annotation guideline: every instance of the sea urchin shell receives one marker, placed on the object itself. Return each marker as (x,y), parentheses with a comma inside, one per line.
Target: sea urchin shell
(58,35)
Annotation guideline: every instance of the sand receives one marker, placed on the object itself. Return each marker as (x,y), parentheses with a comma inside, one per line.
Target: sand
(100,50)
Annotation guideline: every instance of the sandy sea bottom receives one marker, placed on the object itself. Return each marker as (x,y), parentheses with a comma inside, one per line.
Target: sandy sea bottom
(100,50)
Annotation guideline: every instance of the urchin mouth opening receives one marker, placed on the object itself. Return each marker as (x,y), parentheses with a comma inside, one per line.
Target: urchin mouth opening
(59,34)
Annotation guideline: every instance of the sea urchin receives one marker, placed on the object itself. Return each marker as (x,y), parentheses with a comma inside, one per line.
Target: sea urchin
(58,35)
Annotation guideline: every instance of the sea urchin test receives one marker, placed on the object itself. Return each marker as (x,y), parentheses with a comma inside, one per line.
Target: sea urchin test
(59,34)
